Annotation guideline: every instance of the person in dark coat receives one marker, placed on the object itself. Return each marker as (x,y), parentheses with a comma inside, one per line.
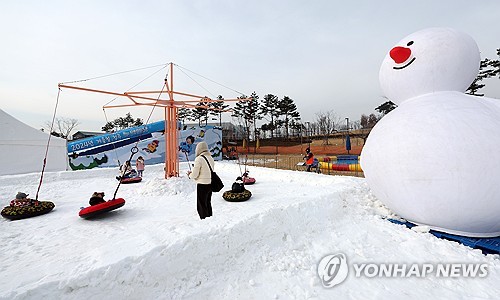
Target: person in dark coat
(238,186)
(97,198)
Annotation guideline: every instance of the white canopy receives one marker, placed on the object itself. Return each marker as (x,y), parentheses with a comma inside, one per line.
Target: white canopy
(22,148)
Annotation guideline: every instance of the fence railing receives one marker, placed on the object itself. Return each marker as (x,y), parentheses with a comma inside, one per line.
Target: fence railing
(288,162)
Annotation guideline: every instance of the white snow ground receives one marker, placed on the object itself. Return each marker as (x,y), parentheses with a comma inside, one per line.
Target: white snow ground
(156,247)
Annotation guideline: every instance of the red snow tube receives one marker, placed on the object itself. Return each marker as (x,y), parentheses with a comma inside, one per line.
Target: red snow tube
(94,210)
(248,180)
(131,180)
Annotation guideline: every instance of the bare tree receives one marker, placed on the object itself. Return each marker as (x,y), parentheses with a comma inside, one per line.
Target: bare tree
(356,125)
(62,127)
(313,129)
(327,123)
(367,123)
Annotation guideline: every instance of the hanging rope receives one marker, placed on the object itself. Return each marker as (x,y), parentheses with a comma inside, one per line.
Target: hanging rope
(237,153)
(246,156)
(239,164)
(135,85)
(135,149)
(210,80)
(112,74)
(48,143)
(213,95)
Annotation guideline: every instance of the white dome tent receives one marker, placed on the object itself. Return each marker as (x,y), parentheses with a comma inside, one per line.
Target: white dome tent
(22,148)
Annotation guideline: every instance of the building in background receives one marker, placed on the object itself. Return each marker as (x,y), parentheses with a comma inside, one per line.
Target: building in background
(85,134)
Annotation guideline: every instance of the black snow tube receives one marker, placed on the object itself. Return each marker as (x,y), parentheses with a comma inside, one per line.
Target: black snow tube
(237,197)
(23,212)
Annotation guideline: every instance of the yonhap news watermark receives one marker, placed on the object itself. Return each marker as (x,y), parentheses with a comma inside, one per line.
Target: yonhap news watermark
(333,269)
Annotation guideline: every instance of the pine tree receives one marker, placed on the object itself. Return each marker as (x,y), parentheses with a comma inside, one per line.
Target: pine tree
(122,123)
(269,110)
(200,112)
(247,112)
(487,69)
(288,110)
(218,108)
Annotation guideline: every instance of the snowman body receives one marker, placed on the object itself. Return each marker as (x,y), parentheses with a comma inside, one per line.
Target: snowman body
(435,159)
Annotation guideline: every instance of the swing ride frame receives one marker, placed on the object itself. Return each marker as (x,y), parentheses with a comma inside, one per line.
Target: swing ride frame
(170,105)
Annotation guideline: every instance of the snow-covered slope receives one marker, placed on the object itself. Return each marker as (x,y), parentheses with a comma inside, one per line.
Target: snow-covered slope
(156,247)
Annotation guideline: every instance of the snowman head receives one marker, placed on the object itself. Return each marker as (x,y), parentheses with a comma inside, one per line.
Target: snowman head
(428,61)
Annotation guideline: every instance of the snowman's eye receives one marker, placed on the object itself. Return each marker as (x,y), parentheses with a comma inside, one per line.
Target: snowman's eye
(409,43)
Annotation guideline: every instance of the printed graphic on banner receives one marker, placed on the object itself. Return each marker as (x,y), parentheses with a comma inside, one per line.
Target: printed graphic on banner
(113,149)
(190,136)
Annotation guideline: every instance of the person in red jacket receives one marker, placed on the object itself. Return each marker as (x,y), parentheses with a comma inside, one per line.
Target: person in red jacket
(309,159)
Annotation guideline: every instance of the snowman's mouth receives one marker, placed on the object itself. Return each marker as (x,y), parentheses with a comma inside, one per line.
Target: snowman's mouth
(399,68)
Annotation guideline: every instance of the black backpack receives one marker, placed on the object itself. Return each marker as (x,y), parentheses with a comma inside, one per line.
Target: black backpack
(216,183)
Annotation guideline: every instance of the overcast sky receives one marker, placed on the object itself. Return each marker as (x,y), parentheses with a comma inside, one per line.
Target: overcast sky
(323,54)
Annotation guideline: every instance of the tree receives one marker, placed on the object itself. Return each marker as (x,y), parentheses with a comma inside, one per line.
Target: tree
(218,108)
(297,127)
(200,113)
(487,69)
(356,125)
(363,121)
(62,127)
(288,110)
(372,120)
(269,110)
(368,121)
(122,123)
(265,128)
(254,113)
(386,107)
(239,114)
(313,129)
(326,122)
(246,111)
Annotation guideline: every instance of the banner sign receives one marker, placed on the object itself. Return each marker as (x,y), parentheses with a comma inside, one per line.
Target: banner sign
(107,138)
(112,150)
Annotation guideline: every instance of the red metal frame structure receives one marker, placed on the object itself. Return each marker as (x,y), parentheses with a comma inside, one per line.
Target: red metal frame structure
(170,105)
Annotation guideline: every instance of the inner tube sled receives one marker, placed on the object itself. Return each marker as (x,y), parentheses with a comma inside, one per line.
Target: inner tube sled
(129,179)
(95,210)
(236,197)
(248,180)
(23,212)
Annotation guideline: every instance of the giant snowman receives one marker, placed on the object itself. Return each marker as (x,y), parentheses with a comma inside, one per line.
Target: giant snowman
(435,159)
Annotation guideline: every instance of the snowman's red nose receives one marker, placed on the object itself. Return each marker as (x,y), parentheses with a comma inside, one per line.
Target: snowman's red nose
(400,54)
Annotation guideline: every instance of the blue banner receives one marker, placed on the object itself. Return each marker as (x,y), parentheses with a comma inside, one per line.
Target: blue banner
(129,133)
(151,147)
